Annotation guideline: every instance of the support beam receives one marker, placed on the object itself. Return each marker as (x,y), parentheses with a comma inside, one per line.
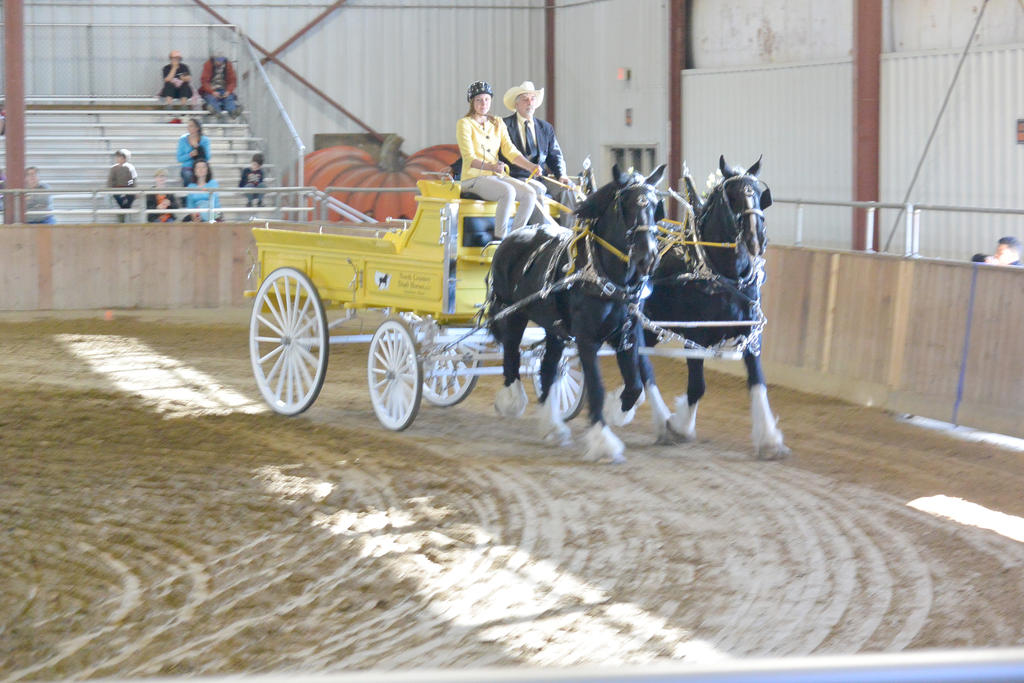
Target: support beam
(549,61)
(677,40)
(867,58)
(301,32)
(377,136)
(14,99)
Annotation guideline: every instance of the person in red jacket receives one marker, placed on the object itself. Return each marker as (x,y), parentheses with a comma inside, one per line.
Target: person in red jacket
(217,86)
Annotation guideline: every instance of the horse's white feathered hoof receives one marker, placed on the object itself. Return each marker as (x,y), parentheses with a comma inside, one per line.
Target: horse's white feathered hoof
(613,413)
(765,432)
(668,436)
(682,425)
(777,451)
(555,434)
(511,401)
(602,443)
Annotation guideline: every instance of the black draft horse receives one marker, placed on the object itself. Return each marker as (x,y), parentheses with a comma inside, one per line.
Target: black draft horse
(581,285)
(695,282)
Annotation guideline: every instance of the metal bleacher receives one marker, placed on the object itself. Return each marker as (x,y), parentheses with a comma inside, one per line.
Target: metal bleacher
(72,142)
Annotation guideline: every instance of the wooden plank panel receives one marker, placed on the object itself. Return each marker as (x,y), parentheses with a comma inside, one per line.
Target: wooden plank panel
(864,314)
(934,343)
(794,298)
(995,362)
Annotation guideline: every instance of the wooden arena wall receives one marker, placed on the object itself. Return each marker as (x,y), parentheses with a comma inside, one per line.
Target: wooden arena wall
(873,329)
(932,338)
(183,265)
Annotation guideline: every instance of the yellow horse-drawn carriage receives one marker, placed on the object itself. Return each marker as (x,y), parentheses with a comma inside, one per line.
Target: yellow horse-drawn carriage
(427,276)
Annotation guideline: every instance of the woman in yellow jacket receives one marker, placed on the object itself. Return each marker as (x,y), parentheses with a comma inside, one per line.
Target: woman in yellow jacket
(480,138)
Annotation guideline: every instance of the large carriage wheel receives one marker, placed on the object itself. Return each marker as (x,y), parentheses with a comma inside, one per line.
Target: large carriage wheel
(567,394)
(444,383)
(288,341)
(394,374)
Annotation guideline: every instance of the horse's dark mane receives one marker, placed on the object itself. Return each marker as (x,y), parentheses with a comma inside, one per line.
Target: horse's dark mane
(597,203)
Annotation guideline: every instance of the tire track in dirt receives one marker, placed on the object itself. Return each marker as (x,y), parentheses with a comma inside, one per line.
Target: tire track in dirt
(270,544)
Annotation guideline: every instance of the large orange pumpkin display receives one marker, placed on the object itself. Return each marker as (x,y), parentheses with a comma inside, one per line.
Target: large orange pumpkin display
(345,166)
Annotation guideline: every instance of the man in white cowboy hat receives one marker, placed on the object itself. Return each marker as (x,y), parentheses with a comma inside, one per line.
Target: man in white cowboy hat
(535,138)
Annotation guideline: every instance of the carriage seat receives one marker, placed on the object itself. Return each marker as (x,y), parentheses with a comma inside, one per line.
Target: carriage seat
(475,213)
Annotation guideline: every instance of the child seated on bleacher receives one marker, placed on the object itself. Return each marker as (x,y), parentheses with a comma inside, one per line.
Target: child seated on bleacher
(252,176)
(122,174)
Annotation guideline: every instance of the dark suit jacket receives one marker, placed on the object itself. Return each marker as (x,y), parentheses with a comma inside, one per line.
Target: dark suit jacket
(548,154)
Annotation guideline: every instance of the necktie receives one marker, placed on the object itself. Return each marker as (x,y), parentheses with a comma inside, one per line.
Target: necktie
(531,146)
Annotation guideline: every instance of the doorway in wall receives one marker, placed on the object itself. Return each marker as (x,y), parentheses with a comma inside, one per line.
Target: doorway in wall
(641,158)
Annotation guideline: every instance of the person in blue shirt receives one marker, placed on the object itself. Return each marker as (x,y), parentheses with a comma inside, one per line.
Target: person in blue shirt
(193,146)
(203,180)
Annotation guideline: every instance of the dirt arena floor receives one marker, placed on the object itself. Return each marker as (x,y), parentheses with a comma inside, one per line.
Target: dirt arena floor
(166,524)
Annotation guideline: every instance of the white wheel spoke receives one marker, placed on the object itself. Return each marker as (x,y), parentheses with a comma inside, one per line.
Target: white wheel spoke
(273,328)
(280,311)
(273,352)
(303,369)
(304,354)
(288,342)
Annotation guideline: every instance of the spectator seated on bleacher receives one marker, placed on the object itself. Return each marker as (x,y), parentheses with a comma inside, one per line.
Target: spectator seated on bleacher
(122,174)
(204,180)
(177,81)
(193,146)
(161,200)
(217,86)
(252,176)
(38,202)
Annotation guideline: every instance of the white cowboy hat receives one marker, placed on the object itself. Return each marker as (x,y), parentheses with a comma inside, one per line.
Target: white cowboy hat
(526,86)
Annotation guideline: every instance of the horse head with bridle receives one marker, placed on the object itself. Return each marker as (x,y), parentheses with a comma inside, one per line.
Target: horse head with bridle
(583,285)
(711,277)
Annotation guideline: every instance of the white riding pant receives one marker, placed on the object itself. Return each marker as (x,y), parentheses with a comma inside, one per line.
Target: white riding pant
(505,190)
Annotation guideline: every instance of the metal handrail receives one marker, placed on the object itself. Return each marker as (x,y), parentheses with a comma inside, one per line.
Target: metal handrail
(272,134)
(912,217)
(95,209)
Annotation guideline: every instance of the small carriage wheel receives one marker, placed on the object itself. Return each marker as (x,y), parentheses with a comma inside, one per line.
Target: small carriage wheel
(394,374)
(444,383)
(288,341)
(569,392)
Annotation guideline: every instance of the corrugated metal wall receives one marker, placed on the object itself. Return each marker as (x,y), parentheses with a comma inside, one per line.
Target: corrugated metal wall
(798,117)
(593,42)
(406,70)
(974,159)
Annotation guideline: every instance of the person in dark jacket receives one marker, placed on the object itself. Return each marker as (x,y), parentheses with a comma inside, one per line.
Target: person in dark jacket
(535,139)
(177,81)
(252,176)
(161,199)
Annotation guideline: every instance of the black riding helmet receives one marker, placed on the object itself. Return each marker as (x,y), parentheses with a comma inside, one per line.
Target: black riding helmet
(478,88)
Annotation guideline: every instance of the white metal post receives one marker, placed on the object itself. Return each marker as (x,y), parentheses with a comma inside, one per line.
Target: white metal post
(799,224)
(908,229)
(869,229)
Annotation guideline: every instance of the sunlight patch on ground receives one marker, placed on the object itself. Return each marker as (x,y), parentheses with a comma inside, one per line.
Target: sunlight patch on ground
(530,607)
(972,514)
(168,385)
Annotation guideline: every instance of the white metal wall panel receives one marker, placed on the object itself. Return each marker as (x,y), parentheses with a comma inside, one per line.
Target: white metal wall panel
(405,70)
(946,24)
(798,117)
(974,159)
(742,33)
(593,42)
